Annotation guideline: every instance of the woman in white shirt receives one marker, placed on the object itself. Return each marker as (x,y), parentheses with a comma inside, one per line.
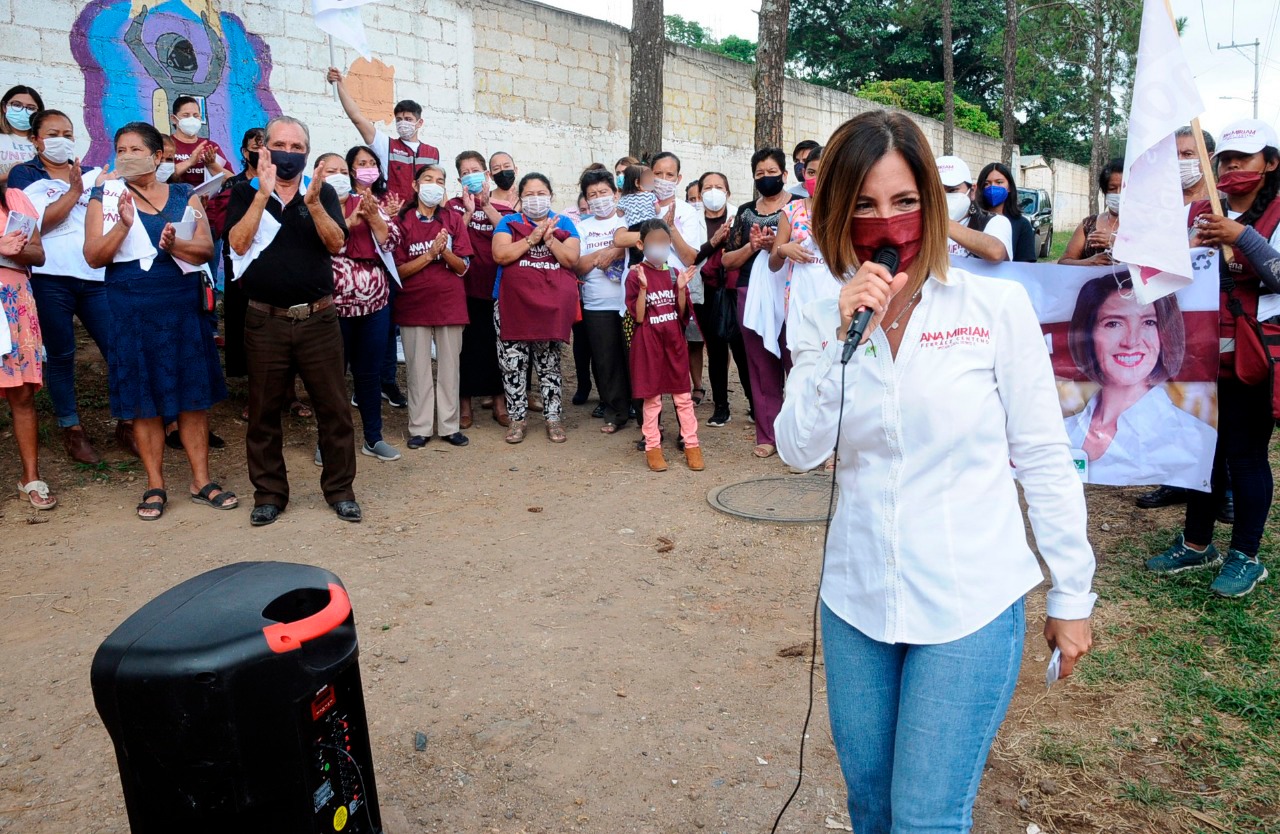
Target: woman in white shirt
(927,561)
(601,269)
(17,106)
(1130,431)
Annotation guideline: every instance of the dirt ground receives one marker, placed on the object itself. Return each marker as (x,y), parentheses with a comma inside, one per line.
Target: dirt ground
(512,605)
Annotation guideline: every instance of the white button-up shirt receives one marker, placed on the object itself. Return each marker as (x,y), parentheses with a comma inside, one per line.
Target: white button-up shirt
(928,543)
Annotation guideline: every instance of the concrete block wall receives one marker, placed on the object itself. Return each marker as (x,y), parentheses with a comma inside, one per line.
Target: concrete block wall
(1070,185)
(548,86)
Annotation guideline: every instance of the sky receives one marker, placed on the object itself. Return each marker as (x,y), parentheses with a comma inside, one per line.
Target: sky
(1210,23)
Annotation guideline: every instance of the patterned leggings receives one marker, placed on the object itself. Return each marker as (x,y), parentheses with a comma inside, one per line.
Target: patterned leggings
(514,358)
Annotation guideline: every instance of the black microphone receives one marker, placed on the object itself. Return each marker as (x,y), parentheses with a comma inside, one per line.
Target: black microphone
(887,257)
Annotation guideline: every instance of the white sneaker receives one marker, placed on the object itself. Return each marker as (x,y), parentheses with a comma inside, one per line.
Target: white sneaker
(382,450)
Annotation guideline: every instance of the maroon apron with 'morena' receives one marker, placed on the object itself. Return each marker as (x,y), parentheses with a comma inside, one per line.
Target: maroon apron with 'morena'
(483,272)
(538,298)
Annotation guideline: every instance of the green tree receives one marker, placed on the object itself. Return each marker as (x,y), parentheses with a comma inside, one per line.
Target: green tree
(694,34)
(848,43)
(688,32)
(926,98)
(740,49)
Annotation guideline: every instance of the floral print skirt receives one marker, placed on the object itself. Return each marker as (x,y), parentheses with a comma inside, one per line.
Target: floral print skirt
(24,363)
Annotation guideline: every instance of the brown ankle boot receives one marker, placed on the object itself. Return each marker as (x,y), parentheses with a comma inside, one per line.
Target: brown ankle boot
(657,462)
(78,446)
(124,438)
(693,455)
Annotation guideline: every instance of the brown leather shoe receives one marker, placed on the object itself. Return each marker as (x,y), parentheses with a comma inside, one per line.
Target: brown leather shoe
(656,461)
(124,437)
(693,456)
(78,446)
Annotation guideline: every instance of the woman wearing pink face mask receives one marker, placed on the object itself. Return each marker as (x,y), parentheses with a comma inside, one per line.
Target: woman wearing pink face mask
(362,284)
(1248,168)
(927,561)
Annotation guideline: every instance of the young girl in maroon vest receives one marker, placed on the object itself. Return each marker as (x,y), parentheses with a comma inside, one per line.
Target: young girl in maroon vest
(658,298)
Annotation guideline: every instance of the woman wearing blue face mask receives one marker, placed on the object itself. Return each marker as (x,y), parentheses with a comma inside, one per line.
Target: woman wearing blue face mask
(17,106)
(998,194)
(480,377)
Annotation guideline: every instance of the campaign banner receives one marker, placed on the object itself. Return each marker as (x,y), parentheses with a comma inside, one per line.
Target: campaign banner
(1137,382)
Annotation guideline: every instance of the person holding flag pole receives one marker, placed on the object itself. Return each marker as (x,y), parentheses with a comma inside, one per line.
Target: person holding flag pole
(1152,241)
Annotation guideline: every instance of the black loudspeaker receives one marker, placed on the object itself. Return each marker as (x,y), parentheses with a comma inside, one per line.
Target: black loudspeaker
(234,702)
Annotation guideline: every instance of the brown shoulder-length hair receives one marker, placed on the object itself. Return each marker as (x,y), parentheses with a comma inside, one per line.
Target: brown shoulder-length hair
(855,147)
(1173,334)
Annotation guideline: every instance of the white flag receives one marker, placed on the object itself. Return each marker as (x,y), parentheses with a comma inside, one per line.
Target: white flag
(1152,237)
(341,19)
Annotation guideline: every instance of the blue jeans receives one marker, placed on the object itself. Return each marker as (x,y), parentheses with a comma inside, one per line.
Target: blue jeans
(365,340)
(387,371)
(913,724)
(59,299)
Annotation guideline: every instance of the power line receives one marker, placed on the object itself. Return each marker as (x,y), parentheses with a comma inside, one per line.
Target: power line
(1205,21)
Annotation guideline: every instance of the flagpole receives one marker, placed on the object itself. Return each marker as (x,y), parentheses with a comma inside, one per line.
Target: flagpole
(333,62)
(1206,167)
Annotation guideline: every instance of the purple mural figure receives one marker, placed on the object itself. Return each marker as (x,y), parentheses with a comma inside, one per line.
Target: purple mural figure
(175,63)
(138,59)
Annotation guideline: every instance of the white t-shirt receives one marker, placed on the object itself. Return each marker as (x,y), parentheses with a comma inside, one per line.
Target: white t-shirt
(64,243)
(14,148)
(381,146)
(998,227)
(693,228)
(599,291)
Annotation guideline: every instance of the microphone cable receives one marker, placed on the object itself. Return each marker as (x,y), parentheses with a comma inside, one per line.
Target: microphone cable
(817,597)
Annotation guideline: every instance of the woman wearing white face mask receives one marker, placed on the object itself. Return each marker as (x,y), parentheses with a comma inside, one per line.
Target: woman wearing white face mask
(433,256)
(195,159)
(1092,240)
(65,286)
(716,315)
(361,283)
(537,252)
(17,106)
(601,269)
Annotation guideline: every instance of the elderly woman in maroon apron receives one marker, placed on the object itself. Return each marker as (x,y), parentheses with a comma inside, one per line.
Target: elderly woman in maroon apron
(431,307)
(536,252)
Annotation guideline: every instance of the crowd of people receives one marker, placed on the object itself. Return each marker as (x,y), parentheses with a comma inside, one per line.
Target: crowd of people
(331,259)
(349,260)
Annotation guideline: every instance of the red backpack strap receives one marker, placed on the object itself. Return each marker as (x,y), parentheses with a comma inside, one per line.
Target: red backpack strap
(1270,219)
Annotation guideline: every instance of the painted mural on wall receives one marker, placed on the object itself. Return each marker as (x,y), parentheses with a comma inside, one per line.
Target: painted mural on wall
(138,57)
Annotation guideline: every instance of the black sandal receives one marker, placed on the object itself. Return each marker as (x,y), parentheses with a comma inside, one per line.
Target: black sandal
(153,505)
(218,502)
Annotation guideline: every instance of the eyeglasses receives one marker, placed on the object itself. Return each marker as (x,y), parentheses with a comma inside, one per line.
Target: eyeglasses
(14,105)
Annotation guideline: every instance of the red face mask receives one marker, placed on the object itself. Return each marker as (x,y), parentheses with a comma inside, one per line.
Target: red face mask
(1239,182)
(901,231)
(810,184)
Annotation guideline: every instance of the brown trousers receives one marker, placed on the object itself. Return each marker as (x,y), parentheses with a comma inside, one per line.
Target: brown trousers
(276,349)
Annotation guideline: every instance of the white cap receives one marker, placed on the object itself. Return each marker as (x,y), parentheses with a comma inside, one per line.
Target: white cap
(1247,136)
(953,171)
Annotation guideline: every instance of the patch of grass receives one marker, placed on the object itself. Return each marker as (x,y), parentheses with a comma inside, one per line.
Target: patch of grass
(1059,246)
(1061,751)
(1142,792)
(1210,670)
(103,471)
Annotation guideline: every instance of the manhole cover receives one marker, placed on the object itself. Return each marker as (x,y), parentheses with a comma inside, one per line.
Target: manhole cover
(794,499)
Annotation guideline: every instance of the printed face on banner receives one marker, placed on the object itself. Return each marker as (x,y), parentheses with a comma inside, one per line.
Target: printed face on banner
(1137,382)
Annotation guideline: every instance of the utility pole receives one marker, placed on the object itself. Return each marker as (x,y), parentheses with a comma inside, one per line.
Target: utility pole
(1255,45)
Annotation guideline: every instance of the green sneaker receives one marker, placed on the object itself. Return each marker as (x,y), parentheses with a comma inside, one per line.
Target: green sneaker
(1179,557)
(1239,575)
